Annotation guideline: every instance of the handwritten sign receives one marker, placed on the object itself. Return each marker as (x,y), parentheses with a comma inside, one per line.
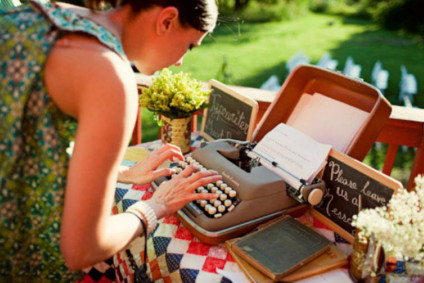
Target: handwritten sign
(231,115)
(352,185)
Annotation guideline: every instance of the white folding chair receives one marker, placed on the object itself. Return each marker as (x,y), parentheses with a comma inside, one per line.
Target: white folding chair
(408,87)
(297,59)
(379,76)
(272,83)
(351,69)
(327,62)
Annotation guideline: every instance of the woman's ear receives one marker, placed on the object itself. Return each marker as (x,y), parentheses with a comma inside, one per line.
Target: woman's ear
(166,19)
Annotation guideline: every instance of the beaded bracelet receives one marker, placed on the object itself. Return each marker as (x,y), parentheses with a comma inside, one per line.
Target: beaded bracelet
(147,213)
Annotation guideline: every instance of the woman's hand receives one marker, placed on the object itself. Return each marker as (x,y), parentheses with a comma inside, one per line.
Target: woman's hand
(172,195)
(146,171)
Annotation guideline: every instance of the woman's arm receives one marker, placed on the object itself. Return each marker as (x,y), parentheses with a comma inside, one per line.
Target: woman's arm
(96,87)
(99,89)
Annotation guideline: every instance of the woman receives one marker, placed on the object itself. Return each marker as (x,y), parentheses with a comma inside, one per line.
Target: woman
(60,62)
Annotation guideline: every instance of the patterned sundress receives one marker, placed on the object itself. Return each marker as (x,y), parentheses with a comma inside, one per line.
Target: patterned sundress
(34,135)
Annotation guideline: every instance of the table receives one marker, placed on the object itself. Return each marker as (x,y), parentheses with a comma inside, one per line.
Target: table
(174,254)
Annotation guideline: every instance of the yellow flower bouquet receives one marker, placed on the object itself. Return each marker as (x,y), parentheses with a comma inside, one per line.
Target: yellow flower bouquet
(174,95)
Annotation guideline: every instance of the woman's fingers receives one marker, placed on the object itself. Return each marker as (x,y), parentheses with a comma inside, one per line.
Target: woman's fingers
(167,147)
(175,150)
(207,196)
(202,179)
(170,154)
(193,197)
(164,172)
(180,190)
(188,171)
(193,179)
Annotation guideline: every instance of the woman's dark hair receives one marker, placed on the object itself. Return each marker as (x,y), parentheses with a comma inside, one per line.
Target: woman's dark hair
(199,14)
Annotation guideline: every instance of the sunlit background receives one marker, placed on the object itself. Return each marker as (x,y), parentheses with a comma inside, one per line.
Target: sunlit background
(259,39)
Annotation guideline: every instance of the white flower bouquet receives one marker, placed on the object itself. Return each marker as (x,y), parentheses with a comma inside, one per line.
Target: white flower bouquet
(399,227)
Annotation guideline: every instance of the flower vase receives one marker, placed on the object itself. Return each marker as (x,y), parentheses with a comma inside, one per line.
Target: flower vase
(366,260)
(177,131)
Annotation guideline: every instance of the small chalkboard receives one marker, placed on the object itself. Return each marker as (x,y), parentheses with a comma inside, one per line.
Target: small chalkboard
(350,185)
(281,247)
(231,115)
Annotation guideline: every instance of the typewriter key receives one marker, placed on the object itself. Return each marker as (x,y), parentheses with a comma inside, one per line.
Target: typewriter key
(232,193)
(228,202)
(200,189)
(217,215)
(212,210)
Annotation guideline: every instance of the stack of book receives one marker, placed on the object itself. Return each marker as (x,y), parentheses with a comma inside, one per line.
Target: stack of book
(284,250)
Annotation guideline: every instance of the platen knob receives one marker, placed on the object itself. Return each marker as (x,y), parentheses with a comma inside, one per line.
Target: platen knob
(315,196)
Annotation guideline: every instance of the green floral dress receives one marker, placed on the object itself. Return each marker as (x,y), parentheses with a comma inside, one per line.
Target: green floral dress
(34,135)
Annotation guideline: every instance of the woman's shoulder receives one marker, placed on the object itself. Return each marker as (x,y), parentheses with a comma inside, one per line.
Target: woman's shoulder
(85,55)
(74,19)
(79,65)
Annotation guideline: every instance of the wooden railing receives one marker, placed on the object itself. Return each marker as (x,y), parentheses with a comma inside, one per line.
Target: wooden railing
(405,127)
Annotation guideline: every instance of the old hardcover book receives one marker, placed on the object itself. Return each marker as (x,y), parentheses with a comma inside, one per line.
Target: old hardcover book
(281,247)
(331,259)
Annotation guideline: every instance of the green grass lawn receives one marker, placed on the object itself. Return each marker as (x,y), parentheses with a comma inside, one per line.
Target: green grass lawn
(257,51)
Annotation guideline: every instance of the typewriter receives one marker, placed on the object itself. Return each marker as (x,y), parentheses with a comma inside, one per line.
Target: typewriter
(249,193)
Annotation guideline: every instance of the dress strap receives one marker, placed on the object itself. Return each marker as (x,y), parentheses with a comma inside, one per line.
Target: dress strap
(67,20)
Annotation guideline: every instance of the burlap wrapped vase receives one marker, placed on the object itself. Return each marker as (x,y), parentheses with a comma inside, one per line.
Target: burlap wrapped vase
(177,131)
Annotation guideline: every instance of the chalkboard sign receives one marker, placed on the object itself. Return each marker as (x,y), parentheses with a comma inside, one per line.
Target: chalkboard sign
(231,114)
(350,185)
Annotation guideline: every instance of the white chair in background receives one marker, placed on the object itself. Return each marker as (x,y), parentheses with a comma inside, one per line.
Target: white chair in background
(351,69)
(375,70)
(297,59)
(408,87)
(272,83)
(327,62)
(379,76)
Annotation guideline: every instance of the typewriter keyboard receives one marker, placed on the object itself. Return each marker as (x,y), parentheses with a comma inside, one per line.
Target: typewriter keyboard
(214,208)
